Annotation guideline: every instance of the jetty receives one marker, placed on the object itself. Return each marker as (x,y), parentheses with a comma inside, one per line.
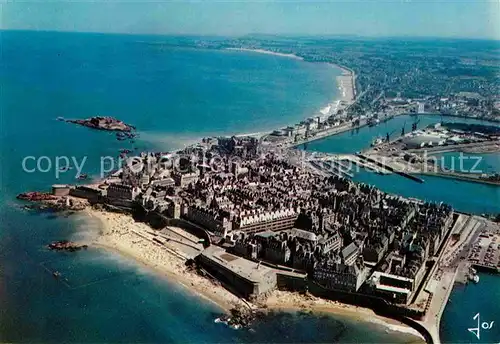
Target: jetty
(390,168)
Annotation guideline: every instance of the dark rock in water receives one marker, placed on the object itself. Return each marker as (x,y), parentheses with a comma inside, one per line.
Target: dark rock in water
(36,196)
(65,245)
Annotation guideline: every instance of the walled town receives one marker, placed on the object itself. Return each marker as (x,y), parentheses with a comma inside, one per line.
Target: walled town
(261,207)
(255,219)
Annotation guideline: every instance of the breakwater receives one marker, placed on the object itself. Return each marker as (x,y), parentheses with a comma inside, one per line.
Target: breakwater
(390,168)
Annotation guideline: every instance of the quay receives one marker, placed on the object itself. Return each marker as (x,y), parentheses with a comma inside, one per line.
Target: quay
(414,152)
(390,168)
(469,177)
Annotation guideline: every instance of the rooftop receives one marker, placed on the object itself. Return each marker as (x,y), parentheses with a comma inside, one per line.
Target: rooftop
(393,289)
(245,268)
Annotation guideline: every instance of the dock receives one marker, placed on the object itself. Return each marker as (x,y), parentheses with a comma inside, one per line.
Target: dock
(390,168)
(356,160)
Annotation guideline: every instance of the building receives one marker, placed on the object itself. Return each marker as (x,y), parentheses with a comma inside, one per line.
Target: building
(277,251)
(184,179)
(60,189)
(88,192)
(340,276)
(121,191)
(374,250)
(247,278)
(174,209)
(303,236)
(213,220)
(254,221)
(349,254)
(332,243)
(393,288)
(165,182)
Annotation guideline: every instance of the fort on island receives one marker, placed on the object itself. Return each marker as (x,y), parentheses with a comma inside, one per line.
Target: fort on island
(255,219)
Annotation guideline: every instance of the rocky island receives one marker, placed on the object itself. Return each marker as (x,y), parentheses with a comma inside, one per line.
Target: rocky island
(102,123)
(47,201)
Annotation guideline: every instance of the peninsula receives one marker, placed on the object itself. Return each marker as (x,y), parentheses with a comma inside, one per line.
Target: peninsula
(244,222)
(252,221)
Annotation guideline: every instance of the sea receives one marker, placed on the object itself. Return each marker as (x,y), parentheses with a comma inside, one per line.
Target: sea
(173,96)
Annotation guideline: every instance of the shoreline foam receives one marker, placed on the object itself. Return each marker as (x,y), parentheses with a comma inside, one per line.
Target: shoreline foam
(121,234)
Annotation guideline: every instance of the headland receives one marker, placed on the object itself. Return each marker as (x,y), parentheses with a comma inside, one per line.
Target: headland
(140,242)
(248,225)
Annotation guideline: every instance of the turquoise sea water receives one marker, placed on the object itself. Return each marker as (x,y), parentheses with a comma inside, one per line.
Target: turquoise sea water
(465,302)
(471,163)
(171,95)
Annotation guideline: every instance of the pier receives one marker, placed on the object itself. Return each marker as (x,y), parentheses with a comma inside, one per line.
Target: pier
(390,168)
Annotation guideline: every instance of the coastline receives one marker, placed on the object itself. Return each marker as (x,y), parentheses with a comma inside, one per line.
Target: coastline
(267,52)
(345,83)
(122,235)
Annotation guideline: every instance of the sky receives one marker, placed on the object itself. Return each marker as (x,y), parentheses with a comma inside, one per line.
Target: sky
(434,18)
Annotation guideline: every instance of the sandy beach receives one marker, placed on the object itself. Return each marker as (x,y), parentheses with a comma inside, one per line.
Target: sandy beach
(287,301)
(267,52)
(120,233)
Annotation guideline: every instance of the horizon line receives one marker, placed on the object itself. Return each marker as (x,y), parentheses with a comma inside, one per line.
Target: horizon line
(243,35)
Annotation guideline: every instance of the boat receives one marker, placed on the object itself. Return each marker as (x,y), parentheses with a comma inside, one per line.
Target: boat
(475,279)
(223,319)
(83,176)
(377,142)
(56,274)
(373,122)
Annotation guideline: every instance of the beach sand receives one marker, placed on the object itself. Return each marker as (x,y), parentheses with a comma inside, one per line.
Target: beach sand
(267,52)
(120,233)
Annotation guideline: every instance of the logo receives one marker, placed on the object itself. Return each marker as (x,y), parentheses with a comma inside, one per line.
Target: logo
(477,330)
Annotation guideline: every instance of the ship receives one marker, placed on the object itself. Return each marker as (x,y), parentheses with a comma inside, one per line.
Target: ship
(372,122)
(474,278)
(225,319)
